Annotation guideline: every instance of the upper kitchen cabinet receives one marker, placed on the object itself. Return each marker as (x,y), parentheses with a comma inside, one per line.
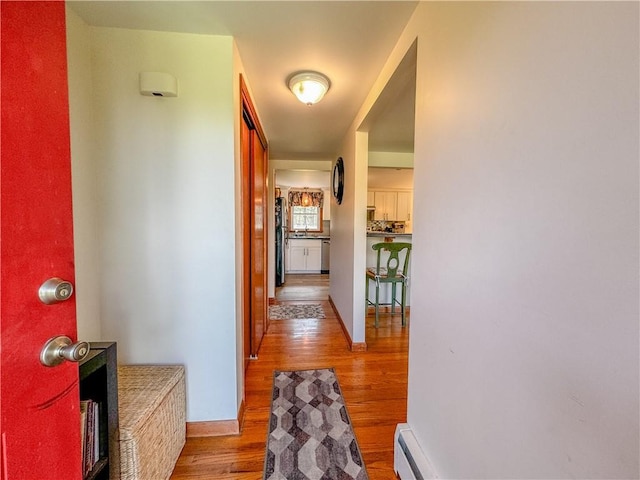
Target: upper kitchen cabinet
(386,204)
(392,205)
(390,190)
(405,207)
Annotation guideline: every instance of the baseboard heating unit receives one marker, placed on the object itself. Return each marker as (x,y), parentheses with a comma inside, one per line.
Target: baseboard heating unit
(409,462)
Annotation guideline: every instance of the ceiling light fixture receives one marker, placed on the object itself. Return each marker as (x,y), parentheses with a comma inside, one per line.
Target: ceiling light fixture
(306,199)
(309,87)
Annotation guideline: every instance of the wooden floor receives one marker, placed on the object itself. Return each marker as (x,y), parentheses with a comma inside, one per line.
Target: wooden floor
(304,286)
(374,386)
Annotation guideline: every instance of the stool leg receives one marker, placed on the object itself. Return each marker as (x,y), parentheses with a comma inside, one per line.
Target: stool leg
(393,298)
(377,300)
(404,303)
(366,295)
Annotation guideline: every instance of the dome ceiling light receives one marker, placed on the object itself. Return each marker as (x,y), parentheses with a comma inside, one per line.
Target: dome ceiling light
(309,87)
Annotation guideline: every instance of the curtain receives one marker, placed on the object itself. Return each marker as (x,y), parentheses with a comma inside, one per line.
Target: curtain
(306,198)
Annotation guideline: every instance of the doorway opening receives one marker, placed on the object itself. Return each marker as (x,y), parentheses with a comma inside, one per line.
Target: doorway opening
(303,231)
(390,125)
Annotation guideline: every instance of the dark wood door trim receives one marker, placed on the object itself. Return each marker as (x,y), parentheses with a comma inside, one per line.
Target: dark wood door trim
(254,152)
(250,112)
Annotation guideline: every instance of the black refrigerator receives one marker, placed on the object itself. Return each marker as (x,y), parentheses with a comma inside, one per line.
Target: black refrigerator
(281,225)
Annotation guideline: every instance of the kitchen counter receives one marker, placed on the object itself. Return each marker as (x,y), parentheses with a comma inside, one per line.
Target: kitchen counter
(309,237)
(388,234)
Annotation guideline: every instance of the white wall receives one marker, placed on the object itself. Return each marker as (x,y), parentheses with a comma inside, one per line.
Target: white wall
(348,235)
(524,329)
(166,169)
(238,69)
(304,178)
(391,159)
(389,178)
(84,179)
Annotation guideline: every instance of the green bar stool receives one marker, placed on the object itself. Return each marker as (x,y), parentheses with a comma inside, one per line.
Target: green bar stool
(394,271)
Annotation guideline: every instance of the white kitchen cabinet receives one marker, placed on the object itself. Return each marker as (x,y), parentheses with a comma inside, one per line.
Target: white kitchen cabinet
(296,257)
(304,256)
(391,204)
(405,207)
(314,256)
(386,205)
(371,198)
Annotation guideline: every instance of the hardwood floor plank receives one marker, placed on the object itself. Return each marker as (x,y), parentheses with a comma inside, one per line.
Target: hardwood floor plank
(374,386)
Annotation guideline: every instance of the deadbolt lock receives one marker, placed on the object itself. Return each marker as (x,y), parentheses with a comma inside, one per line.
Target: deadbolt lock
(55,290)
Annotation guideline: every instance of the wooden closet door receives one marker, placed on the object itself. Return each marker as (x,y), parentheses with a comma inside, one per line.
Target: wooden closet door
(254,221)
(245,145)
(259,243)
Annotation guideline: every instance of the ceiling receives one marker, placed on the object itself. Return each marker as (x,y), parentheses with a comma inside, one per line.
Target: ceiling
(347,41)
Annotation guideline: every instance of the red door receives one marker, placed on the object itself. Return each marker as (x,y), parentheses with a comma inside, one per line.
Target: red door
(39,405)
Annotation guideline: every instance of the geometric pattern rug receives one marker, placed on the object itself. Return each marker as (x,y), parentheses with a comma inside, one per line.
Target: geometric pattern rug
(310,435)
(285,312)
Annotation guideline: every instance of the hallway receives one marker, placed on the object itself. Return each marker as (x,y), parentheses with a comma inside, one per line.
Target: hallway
(374,385)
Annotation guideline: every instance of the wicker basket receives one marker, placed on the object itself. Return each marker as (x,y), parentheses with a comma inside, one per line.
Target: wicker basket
(152,415)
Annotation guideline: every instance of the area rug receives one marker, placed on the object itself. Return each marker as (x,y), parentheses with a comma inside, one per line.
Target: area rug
(310,435)
(285,312)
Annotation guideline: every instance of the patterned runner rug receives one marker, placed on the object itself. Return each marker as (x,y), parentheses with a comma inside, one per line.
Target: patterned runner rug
(285,312)
(310,434)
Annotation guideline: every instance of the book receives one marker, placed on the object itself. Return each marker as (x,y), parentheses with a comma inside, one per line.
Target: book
(96,433)
(87,435)
(83,430)
(90,433)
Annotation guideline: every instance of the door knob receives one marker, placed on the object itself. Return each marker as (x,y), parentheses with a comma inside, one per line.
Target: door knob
(55,290)
(61,348)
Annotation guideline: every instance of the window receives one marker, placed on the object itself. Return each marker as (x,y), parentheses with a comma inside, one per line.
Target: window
(306,218)
(305,211)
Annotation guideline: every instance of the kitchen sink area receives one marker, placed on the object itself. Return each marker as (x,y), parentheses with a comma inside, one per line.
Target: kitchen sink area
(303,222)
(309,235)
(308,252)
